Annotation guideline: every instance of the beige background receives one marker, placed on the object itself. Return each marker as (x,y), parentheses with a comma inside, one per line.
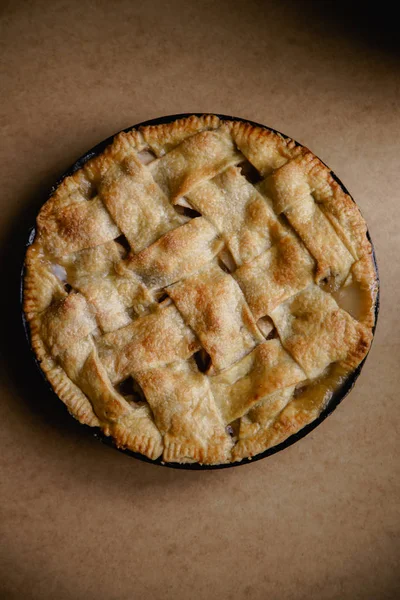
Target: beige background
(319,520)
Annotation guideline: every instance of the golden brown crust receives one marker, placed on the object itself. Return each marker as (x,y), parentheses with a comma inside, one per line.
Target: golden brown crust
(148,342)
(286,412)
(245,221)
(163,138)
(110,327)
(74,399)
(137,432)
(190,423)
(285,269)
(203,300)
(267,369)
(264,149)
(290,189)
(136,204)
(197,158)
(41,286)
(176,254)
(329,336)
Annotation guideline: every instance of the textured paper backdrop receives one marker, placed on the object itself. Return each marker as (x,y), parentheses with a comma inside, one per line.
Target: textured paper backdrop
(79,520)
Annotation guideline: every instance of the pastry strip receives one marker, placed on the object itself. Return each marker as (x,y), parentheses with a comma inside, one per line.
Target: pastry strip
(265,370)
(246,222)
(213,305)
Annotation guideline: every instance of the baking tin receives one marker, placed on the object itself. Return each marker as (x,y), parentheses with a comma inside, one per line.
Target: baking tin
(338,395)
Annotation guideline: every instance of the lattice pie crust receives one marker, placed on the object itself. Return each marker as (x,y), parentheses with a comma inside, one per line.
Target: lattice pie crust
(183,290)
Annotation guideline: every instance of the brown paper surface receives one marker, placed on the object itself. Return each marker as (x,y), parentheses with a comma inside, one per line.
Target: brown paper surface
(80,520)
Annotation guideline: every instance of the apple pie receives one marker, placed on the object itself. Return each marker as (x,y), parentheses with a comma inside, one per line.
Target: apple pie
(200,289)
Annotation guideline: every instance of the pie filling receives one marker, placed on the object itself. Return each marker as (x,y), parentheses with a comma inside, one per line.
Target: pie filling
(352,299)
(200,290)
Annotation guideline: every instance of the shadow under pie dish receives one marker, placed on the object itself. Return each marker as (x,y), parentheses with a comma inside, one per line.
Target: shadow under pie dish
(203,289)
